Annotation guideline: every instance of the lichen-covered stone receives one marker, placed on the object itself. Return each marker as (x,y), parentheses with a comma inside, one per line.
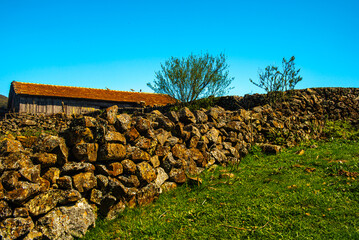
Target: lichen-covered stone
(107,202)
(53,144)
(270,148)
(84,152)
(96,196)
(112,151)
(27,141)
(162,151)
(44,184)
(218,156)
(186,116)
(75,167)
(142,125)
(34,235)
(155,161)
(79,134)
(177,175)
(84,181)
(8,145)
(16,161)
(180,151)
(130,181)
(173,116)
(115,169)
(44,202)
(13,228)
(115,210)
(46,159)
(213,135)
(102,182)
(123,122)
(168,186)
(169,162)
(165,123)
(146,172)
(115,137)
(5,210)
(52,175)
(10,180)
(162,136)
(67,222)
(64,182)
(215,113)
(147,194)
(233,126)
(31,173)
(23,192)
(132,134)
(201,116)
(21,212)
(161,176)
(69,196)
(129,166)
(139,155)
(146,144)
(111,113)
(197,156)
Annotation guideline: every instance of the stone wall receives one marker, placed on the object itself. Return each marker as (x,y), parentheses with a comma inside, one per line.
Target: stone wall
(54,187)
(22,123)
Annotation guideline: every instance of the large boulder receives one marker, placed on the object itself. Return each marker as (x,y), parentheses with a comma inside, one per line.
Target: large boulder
(67,222)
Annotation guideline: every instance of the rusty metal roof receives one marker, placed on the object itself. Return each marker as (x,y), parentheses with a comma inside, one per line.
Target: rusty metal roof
(150,99)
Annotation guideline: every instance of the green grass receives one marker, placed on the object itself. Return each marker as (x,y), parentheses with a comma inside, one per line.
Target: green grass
(287,196)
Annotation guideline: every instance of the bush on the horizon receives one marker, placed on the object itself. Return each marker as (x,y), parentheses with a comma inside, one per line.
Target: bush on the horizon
(194,77)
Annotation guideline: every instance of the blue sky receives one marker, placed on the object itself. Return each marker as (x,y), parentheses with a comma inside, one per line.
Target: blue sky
(120,44)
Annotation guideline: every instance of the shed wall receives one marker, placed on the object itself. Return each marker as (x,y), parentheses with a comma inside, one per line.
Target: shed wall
(49,105)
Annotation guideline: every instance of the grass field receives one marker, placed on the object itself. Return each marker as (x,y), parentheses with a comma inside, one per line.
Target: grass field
(308,192)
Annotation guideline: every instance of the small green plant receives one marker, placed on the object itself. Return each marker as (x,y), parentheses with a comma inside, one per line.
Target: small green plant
(205,103)
(340,129)
(276,82)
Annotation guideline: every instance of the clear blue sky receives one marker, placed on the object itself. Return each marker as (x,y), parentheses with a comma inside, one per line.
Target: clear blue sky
(120,44)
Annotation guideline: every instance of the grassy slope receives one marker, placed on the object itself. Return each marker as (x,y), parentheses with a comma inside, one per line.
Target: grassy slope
(3,101)
(291,196)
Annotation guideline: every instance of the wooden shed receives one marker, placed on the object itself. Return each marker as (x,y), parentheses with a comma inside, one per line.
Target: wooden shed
(49,99)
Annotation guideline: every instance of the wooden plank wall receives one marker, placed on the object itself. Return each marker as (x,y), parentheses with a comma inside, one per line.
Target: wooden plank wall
(48,105)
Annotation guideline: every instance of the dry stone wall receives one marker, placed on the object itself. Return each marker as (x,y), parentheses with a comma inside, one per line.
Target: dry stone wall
(54,187)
